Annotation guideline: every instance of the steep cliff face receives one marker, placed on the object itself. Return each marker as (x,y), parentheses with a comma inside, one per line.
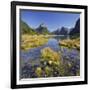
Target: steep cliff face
(66,31)
(76,29)
(42,29)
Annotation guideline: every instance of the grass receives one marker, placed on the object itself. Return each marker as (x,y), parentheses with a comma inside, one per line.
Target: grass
(50,56)
(71,43)
(38,71)
(32,41)
(54,65)
(51,63)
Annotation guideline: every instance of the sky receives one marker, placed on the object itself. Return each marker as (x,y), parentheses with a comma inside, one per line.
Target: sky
(53,20)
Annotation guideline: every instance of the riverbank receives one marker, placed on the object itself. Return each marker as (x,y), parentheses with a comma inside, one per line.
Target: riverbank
(48,58)
(71,43)
(32,41)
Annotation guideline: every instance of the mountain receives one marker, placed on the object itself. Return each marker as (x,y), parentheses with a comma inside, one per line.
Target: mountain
(56,31)
(76,29)
(25,29)
(42,29)
(62,31)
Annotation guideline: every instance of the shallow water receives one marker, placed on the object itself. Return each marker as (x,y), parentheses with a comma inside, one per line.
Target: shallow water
(32,56)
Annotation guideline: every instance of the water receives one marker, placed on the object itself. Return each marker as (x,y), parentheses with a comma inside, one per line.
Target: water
(32,56)
(34,53)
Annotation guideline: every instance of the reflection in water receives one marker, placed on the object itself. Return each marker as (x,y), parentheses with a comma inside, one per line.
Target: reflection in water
(32,56)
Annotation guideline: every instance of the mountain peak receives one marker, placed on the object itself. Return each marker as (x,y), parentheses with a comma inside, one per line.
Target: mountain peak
(61,31)
(76,29)
(42,25)
(42,29)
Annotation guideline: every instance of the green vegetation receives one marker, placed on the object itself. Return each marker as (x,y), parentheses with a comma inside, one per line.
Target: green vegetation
(29,41)
(52,63)
(32,38)
(49,63)
(71,43)
(78,73)
(38,71)
(48,71)
(51,60)
(25,29)
(50,56)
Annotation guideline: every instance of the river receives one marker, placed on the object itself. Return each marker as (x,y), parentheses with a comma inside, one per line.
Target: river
(32,56)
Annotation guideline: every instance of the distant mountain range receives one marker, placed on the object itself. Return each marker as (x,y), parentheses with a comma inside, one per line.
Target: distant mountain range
(42,29)
(66,31)
(62,31)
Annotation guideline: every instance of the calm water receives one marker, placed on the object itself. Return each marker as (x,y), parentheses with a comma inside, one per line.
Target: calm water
(32,56)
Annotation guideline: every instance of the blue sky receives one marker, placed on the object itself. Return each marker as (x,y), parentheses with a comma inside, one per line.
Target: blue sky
(52,20)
